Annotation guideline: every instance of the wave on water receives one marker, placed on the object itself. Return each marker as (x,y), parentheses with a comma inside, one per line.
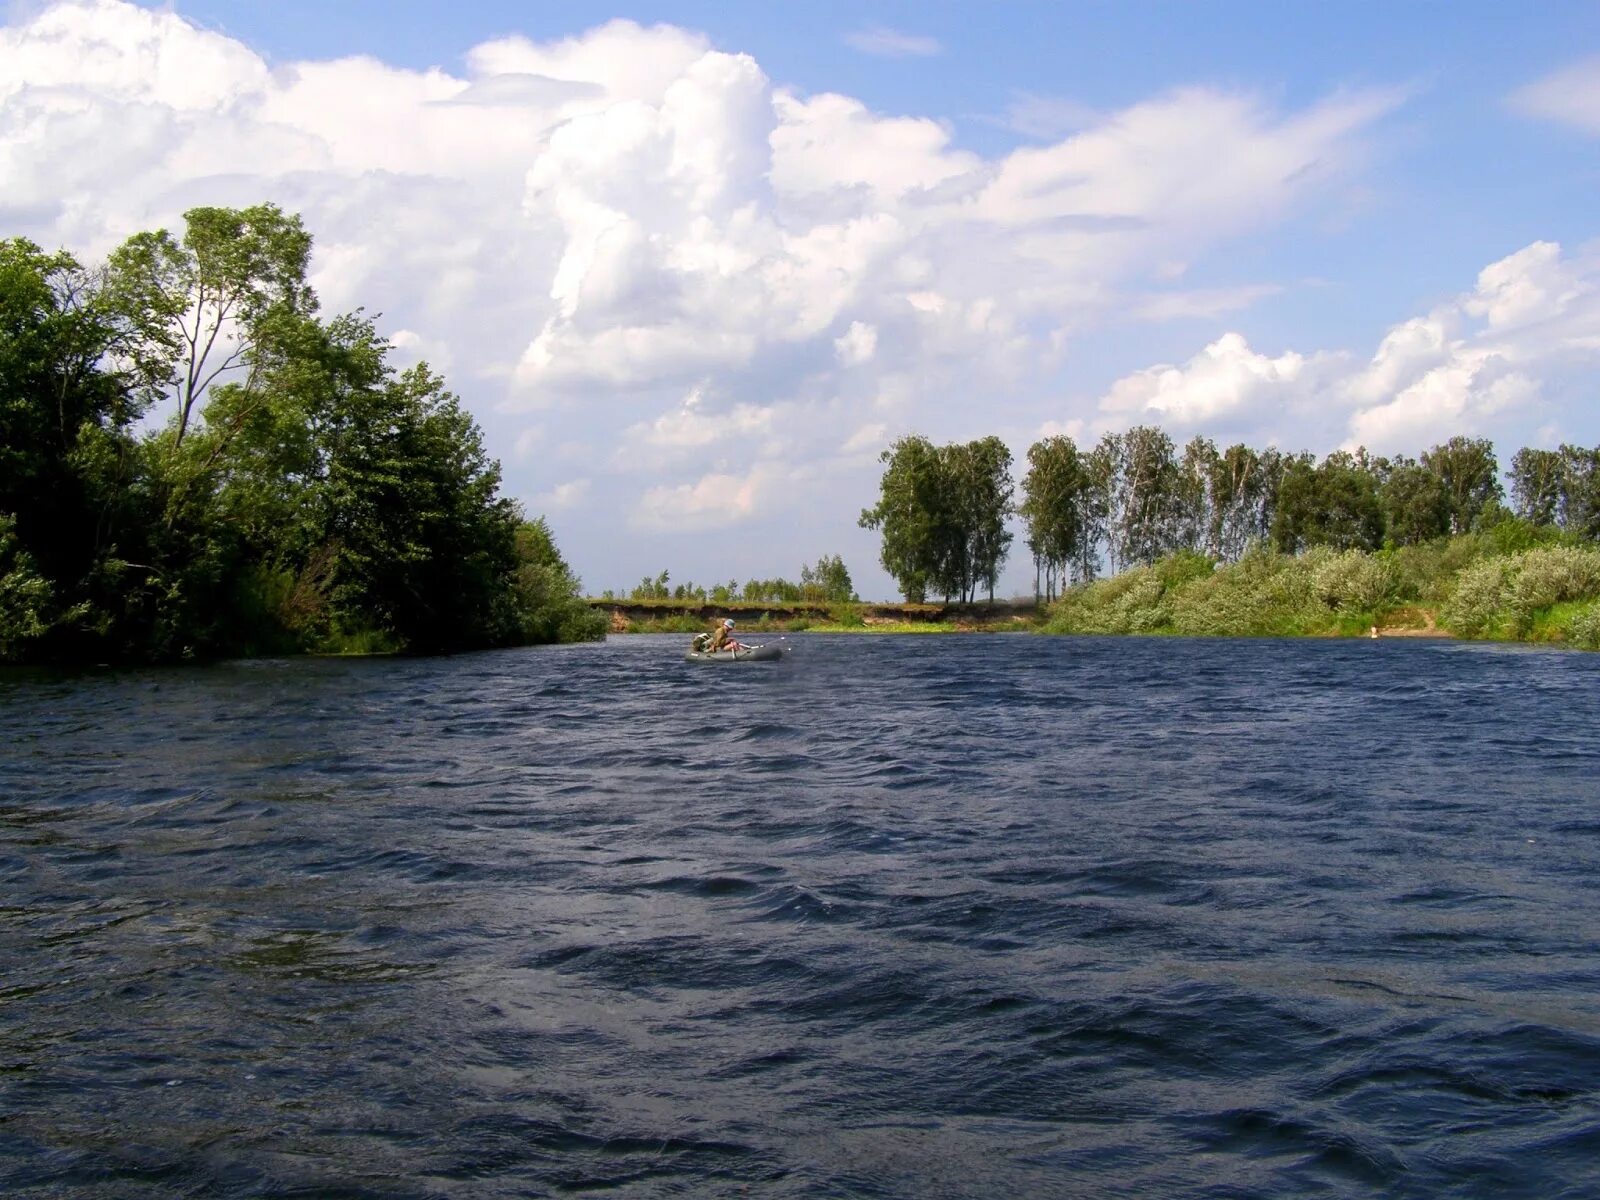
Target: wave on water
(895,916)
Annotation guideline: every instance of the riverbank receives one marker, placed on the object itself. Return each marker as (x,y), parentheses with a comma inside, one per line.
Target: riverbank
(1491,586)
(693,616)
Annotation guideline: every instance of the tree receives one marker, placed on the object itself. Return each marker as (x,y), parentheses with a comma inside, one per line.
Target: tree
(544,603)
(829,580)
(1470,475)
(67,454)
(910,512)
(1101,466)
(1580,491)
(1537,485)
(1416,503)
(1237,488)
(1196,524)
(1332,504)
(1147,495)
(978,483)
(196,307)
(1054,510)
(301,489)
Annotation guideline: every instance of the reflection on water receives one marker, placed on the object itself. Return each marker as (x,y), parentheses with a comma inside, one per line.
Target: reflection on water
(960,916)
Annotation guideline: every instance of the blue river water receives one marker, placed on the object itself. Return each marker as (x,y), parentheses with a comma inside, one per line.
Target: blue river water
(938,916)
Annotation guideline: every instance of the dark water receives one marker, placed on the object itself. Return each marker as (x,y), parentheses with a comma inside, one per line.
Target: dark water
(920,917)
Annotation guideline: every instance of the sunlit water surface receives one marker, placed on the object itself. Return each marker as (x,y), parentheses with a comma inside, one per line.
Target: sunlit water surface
(898,916)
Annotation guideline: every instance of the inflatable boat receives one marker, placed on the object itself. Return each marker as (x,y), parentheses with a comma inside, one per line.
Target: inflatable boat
(742,654)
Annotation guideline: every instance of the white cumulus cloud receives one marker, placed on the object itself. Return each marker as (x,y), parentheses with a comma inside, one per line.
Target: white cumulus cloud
(856,345)
(1223,379)
(590,226)
(1485,360)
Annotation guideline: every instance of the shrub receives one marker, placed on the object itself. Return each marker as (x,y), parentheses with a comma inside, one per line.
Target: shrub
(1583,629)
(1548,576)
(1354,582)
(1480,591)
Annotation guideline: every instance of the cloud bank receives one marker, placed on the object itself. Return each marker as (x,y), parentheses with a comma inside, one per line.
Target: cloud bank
(678,296)
(1472,365)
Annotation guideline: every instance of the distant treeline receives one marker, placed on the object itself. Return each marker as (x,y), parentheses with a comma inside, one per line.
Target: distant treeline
(1134,498)
(193,464)
(827,582)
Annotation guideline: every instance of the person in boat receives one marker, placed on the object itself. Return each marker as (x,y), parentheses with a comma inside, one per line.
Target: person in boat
(722,637)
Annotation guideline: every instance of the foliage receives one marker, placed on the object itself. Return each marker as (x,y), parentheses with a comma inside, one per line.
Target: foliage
(301,496)
(828,580)
(942,511)
(1550,592)
(1470,476)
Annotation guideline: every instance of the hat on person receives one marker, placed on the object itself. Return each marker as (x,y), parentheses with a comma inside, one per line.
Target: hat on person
(728,622)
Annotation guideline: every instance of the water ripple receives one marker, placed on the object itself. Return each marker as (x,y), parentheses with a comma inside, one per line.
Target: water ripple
(972,916)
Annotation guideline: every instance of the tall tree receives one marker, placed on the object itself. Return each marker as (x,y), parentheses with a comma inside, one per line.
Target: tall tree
(978,477)
(911,512)
(828,580)
(67,456)
(1195,518)
(1470,475)
(1334,504)
(1580,491)
(1053,510)
(1537,485)
(1146,496)
(1416,503)
(197,305)
(1102,466)
(1236,489)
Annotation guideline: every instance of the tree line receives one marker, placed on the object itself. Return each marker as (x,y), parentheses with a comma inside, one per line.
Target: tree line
(827,582)
(1135,497)
(193,463)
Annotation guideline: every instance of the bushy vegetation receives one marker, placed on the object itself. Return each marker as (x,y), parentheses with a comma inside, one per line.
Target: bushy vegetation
(194,464)
(1490,584)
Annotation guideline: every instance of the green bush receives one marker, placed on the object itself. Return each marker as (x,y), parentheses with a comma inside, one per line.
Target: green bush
(1507,594)
(1583,628)
(1354,582)
(1548,576)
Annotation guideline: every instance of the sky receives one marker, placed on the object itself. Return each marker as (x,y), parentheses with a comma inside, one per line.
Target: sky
(693,266)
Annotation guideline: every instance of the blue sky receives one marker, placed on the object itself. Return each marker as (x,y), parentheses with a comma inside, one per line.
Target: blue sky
(693,265)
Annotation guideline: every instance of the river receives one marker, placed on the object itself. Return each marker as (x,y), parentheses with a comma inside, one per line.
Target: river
(919,916)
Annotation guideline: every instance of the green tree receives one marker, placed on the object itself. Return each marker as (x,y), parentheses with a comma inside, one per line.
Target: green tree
(829,580)
(1580,491)
(1196,520)
(1416,503)
(1537,484)
(1054,510)
(1333,504)
(979,490)
(1237,488)
(1470,475)
(1147,496)
(911,513)
(196,306)
(545,602)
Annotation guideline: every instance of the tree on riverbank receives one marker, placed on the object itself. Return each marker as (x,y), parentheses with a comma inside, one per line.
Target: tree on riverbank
(943,511)
(301,495)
